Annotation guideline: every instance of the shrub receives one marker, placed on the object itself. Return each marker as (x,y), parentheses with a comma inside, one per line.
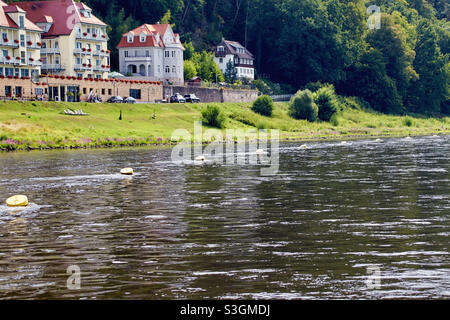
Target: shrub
(327,102)
(314,86)
(302,106)
(407,121)
(213,117)
(334,120)
(263,105)
(262,87)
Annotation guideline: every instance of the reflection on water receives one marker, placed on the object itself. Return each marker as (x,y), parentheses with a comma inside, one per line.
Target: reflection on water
(225,231)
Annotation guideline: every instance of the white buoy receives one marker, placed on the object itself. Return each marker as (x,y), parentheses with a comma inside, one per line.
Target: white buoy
(408,138)
(17,201)
(200,158)
(344,142)
(127,171)
(303,146)
(259,151)
(378,140)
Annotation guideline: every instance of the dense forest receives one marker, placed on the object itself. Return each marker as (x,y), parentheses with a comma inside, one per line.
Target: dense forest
(402,66)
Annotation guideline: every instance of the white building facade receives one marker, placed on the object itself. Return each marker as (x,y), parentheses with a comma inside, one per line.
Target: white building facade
(241,58)
(152,52)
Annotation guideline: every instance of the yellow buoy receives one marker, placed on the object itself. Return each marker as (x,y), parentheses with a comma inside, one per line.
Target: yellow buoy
(200,158)
(17,201)
(259,151)
(127,171)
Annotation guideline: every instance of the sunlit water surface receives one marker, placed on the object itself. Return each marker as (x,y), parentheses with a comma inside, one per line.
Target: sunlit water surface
(225,231)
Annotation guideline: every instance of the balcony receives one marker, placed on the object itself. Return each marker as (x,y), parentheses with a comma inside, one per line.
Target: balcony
(138,57)
(35,63)
(12,60)
(91,37)
(52,67)
(10,43)
(80,67)
(33,46)
(81,51)
(50,51)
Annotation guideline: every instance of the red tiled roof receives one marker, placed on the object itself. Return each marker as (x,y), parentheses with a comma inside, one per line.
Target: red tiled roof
(150,30)
(6,21)
(62,12)
(150,42)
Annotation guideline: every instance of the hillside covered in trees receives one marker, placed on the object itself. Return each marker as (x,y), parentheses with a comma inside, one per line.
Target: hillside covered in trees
(402,66)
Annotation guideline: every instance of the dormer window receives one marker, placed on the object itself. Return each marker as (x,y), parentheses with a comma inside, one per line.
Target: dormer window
(130,38)
(21,21)
(142,37)
(85,13)
(220,49)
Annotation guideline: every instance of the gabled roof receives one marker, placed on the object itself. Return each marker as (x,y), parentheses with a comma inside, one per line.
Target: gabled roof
(151,31)
(6,21)
(232,46)
(59,12)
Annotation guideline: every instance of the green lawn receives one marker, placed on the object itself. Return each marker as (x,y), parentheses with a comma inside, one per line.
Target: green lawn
(42,124)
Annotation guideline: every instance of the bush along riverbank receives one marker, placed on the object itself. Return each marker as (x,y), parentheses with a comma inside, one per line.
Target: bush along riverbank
(43,125)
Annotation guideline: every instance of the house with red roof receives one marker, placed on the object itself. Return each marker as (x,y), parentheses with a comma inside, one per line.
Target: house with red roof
(242,59)
(20,44)
(74,40)
(152,52)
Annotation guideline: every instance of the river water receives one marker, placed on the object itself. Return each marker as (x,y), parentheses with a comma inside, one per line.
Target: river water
(367,220)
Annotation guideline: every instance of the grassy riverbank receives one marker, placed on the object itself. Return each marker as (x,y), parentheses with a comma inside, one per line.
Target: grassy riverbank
(41,125)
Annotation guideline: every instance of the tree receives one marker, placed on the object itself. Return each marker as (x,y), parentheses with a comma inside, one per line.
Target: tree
(190,70)
(430,90)
(398,56)
(189,52)
(368,79)
(230,72)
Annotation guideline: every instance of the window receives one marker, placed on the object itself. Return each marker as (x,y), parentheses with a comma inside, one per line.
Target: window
(57,44)
(126,54)
(130,38)
(84,90)
(4,36)
(78,60)
(135,93)
(167,69)
(159,69)
(21,21)
(147,53)
(220,60)
(79,75)
(7,90)
(97,47)
(56,60)
(44,45)
(109,92)
(98,76)
(39,91)
(5,53)
(97,63)
(1,71)
(142,38)
(79,45)
(22,56)
(24,72)
(103,91)
(173,54)
(167,54)
(174,69)
(22,40)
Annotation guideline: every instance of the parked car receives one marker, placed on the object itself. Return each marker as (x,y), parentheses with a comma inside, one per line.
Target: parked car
(192,98)
(129,100)
(115,99)
(177,98)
